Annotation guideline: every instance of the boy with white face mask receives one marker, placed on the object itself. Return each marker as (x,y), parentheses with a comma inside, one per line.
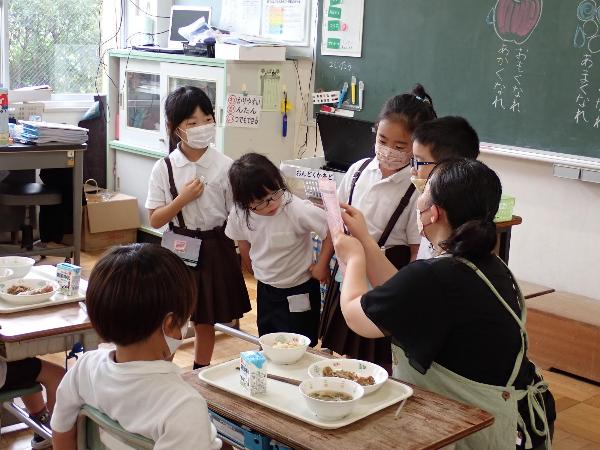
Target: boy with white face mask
(434,141)
(140,297)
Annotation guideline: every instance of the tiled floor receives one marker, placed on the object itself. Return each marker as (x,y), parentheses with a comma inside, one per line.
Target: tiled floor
(578,402)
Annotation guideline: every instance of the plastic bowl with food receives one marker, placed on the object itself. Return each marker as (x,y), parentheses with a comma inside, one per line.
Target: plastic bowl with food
(27,291)
(370,376)
(331,398)
(6,274)
(20,265)
(284,348)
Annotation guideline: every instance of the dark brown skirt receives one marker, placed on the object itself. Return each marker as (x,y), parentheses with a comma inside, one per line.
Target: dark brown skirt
(335,334)
(222,294)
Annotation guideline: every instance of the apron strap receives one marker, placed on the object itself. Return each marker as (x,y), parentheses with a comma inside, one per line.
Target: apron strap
(519,320)
(537,409)
(173,190)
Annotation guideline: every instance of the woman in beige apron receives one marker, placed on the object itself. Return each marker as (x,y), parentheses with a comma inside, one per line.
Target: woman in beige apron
(439,310)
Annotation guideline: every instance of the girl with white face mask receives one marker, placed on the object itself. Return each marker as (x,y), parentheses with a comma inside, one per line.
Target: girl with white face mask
(381,188)
(189,190)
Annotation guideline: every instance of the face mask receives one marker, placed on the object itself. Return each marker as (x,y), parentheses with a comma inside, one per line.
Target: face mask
(173,343)
(390,158)
(200,136)
(419,183)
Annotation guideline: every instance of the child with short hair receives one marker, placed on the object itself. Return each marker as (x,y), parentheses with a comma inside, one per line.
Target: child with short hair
(140,297)
(189,191)
(434,141)
(380,187)
(273,229)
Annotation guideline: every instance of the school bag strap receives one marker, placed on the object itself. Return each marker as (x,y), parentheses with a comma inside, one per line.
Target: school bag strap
(173,191)
(356,176)
(396,215)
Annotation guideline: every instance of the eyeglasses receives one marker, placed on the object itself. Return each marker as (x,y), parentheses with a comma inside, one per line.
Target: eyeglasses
(416,164)
(273,198)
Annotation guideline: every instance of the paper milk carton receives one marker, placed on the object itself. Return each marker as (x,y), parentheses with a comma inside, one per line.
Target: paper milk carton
(253,373)
(68,276)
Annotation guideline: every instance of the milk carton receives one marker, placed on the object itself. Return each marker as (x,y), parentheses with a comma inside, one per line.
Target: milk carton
(68,276)
(253,373)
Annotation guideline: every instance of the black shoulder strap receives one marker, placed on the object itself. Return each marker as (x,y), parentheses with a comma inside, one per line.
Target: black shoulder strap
(173,190)
(356,176)
(399,210)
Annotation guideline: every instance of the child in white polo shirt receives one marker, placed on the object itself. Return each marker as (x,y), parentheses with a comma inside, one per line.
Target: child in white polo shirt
(140,297)
(273,229)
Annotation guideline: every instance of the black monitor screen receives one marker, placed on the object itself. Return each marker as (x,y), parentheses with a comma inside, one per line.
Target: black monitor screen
(345,140)
(183,18)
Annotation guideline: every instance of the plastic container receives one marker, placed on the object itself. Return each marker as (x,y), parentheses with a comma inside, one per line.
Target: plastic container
(4,132)
(505,209)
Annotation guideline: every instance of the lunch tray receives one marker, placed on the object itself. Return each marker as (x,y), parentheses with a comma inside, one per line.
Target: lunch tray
(45,272)
(287,399)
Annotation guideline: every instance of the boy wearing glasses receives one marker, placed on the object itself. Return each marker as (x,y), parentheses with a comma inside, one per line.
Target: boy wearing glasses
(434,141)
(273,229)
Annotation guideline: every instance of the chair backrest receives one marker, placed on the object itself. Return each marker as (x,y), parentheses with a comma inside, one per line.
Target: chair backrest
(97,431)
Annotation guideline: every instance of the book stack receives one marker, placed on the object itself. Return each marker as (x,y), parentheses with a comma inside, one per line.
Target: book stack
(46,132)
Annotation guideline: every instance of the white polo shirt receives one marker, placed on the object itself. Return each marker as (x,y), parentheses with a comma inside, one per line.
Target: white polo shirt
(280,245)
(146,397)
(210,209)
(425,250)
(377,198)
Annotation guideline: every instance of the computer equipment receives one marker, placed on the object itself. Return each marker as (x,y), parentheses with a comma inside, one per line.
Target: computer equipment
(182,16)
(345,141)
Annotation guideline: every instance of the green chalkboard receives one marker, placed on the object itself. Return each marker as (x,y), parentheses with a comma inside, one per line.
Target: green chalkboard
(519,80)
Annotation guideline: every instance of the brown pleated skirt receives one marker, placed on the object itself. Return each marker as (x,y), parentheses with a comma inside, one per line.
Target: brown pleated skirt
(222,294)
(335,334)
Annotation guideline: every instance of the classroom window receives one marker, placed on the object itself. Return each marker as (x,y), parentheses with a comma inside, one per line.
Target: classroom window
(53,42)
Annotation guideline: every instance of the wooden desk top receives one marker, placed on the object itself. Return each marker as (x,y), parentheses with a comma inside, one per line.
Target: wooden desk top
(427,421)
(39,148)
(516,220)
(531,290)
(43,322)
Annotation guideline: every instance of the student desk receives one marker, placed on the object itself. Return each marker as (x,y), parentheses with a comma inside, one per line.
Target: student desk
(503,230)
(426,421)
(45,330)
(24,157)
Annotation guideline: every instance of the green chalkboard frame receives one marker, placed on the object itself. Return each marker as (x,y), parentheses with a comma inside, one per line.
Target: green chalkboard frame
(457,48)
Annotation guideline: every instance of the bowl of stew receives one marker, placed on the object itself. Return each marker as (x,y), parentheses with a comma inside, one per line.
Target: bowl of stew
(331,398)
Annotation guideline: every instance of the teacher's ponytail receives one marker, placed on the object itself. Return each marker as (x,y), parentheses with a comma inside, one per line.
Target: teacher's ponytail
(469,192)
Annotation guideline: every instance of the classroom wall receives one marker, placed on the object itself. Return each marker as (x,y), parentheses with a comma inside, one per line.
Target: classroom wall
(557,244)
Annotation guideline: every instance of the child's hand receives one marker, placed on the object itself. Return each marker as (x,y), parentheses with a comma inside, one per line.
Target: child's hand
(320,271)
(191,191)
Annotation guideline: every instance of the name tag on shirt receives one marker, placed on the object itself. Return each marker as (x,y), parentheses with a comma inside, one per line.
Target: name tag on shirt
(299,303)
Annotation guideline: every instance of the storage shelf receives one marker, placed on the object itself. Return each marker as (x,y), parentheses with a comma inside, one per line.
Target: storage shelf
(166,57)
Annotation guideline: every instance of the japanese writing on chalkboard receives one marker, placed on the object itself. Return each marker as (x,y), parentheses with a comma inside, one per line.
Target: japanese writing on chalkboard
(243,110)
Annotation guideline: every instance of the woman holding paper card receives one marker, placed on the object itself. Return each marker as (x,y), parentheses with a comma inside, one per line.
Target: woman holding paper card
(381,188)
(457,322)
(273,230)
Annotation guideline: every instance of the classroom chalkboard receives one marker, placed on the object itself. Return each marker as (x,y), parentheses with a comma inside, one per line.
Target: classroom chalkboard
(524,72)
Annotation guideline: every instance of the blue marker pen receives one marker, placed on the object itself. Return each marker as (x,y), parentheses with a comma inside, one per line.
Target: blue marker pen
(343,93)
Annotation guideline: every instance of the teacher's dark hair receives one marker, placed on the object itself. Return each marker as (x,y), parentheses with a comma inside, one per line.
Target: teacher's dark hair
(469,192)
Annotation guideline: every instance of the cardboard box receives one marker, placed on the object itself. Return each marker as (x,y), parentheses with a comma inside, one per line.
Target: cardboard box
(254,53)
(109,219)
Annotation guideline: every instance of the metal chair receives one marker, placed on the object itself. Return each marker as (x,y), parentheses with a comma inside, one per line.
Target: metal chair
(6,399)
(28,195)
(91,421)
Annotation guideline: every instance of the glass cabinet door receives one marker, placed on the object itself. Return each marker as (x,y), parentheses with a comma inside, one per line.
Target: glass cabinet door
(209,87)
(143,101)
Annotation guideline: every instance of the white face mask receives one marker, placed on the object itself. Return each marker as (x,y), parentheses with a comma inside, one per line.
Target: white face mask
(173,343)
(390,158)
(419,183)
(200,136)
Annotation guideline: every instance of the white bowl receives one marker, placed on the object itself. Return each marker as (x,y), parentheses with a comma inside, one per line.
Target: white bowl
(6,274)
(31,283)
(283,355)
(20,265)
(331,410)
(361,368)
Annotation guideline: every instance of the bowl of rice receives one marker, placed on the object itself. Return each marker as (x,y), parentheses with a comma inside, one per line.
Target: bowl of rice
(284,348)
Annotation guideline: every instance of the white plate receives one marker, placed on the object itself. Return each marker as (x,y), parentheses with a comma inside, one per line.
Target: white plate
(287,399)
(30,283)
(361,368)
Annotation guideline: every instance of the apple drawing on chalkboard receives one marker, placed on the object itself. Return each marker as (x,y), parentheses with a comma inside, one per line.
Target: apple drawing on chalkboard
(515,20)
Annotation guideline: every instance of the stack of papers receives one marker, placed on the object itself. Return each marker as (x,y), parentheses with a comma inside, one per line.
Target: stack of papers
(46,132)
